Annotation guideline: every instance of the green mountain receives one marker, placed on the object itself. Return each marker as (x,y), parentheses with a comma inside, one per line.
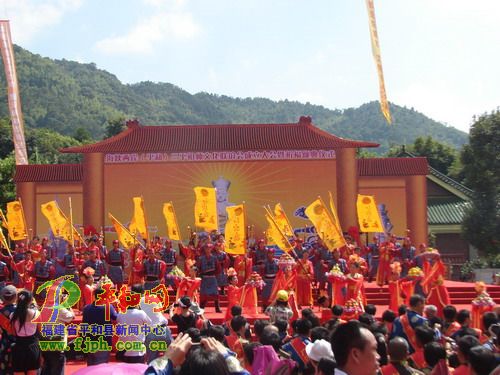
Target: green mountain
(64,96)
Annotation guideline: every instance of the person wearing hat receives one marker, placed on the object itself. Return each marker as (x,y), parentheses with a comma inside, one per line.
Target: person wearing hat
(18,256)
(208,265)
(70,263)
(271,268)
(4,274)
(8,296)
(44,271)
(317,350)
(305,278)
(259,256)
(169,256)
(280,309)
(186,318)
(116,261)
(223,264)
(96,264)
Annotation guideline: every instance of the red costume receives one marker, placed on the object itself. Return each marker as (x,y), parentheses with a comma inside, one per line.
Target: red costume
(355,289)
(233,298)
(386,252)
(283,281)
(243,267)
(438,294)
(248,299)
(190,287)
(136,274)
(305,274)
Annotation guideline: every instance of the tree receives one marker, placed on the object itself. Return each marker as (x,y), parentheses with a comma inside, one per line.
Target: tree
(82,135)
(7,187)
(439,155)
(115,126)
(481,169)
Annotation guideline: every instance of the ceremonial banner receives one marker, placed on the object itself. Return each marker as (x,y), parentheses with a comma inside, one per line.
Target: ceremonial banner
(124,236)
(282,220)
(4,220)
(138,223)
(325,226)
(384,105)
(14,100)
(336,220)
(15,221)
(368,215)
(60,225)
(4,242)
(276,237)
(173,231)
(235,230)
(205,208)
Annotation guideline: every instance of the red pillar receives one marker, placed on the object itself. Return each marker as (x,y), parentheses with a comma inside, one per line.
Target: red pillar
(416,208)
(93,190)
(347,187)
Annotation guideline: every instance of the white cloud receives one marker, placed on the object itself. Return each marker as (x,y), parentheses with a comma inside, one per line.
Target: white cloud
(148,32)
(30,17)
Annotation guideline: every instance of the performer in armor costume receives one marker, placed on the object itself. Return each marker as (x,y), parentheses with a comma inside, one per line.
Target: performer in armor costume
(169,256)
(153,270)
(322,260)
(259,257)
(373,259)
(44,271)
(116,261)
(96,264)
(208,264)
(70,263)
(270,270)
(298,247)
(4,274)
(223,264)
(18,256)
(408,253)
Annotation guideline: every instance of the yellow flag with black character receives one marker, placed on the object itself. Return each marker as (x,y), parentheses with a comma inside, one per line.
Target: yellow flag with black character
(235,230)
(124,236)
(138,224)
(326,228)
(275,236)
(173,231)
(368,216)
(15,221)
(282,220)
(59,224)
(205,208)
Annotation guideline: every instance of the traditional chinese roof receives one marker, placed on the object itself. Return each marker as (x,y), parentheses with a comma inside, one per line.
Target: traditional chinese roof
(446,211)
(49,173)
(228,137)
(393,167)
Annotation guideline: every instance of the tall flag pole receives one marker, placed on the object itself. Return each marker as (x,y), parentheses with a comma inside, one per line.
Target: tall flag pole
(384,104)
(16,114)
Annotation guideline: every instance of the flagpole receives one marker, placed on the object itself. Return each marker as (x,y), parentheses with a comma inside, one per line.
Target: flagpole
(4,219)
(287,220)
(72,227)
(24,221)
(126,230)
(145,221)
(71,222)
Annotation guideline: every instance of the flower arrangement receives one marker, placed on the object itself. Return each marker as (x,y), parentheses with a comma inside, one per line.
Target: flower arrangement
(176,272)
(104,280)
(415,272)
(286,261)
(255,280)
(89,272)
(483,299)
(335,274)
(352,309)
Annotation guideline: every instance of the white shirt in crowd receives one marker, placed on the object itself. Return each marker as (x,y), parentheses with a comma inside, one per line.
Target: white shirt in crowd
(136,317)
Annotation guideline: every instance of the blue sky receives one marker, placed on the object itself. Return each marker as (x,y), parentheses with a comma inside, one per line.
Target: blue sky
(441,57)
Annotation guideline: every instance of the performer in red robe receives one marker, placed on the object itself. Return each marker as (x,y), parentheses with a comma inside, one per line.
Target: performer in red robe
(305,277)
(233,292)
(396,299)
(243,267)
(434,282)
(136,274)
(189,286)
(386,251)
(248,299)
(355,288)
(481,304)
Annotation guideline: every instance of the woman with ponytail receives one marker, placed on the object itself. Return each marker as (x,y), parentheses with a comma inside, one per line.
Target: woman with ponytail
(26,350)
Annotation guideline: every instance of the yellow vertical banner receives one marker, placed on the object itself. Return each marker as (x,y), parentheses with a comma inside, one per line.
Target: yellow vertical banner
(138,224)
(275,236)
(333,209)
(4,242)
(173,231)
(323,221)
(205,208)
(384,105)
(15,221)
(126,238)
(60,226)
(368,216)
(235,230)
(282,220)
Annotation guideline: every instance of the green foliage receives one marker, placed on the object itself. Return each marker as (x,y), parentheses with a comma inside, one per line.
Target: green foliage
(481,169)
(490,261)
(63,95)
(115,126)
(7,187)
(43,147)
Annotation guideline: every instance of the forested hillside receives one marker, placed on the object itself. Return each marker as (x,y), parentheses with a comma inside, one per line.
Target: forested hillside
(72,98)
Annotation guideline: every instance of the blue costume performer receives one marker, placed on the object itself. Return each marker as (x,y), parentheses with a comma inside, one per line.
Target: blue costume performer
(270,270)
(96,264)
(154,271)
(207,264)
(169,256)
(116,261)
(69,262)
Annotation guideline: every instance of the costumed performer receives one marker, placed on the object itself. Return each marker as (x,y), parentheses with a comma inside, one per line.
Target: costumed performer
(305,278)
(355,287)
(189,286)
(243,268)
(434,282)
(408,284)
(481,304)
(248,298)
(233,292)
(386,254)
(396,299)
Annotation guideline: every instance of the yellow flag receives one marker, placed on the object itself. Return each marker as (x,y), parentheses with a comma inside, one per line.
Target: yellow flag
(4,242)
(15,221)
(384,105)
(336,220)
(124,236)
(205,208)
(60,225)
(325,226)
(235,230)
(173,231)
(368,215)
(282,220)
(276,237)
(138,224)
